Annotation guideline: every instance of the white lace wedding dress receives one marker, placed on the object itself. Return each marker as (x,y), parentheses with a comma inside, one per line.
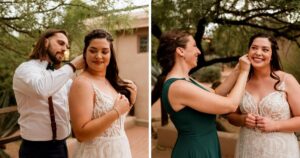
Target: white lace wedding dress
(253,143)
(113,143)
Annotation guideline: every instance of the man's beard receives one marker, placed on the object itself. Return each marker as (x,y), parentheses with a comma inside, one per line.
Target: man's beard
(52,57)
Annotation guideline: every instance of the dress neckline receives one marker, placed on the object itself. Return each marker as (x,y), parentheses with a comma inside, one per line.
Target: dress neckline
(103,93)
(280,86)
(191,80)
(257,103)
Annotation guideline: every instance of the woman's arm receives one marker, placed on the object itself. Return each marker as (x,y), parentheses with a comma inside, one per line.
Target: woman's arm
(182,93)
(228,83)
(81,100)
(236,118)
(292,124)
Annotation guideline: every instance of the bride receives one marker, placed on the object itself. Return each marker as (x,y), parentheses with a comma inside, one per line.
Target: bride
(270,110)
(99,101)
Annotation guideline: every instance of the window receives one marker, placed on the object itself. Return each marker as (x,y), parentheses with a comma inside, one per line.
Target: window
(143,44)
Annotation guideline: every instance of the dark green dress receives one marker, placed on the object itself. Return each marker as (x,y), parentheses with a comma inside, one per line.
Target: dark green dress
(197,133)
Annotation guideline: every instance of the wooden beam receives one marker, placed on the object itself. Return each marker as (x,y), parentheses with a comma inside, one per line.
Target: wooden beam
(8,109)
(14,137)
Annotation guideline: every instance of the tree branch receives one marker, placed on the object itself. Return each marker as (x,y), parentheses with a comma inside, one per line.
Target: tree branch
(18,30)
(245,13)
(156,31)
(222,60)
(198,38)
(218,60)
(4,45)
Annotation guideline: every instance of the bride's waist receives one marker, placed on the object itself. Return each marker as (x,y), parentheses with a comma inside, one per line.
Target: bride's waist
(103,140)
(111,137)
(258,132)
(112,133)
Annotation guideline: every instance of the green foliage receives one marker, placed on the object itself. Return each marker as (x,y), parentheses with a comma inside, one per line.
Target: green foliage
(3,154)
(22,22)
(179,14)
(231,40)
(155,68)
(8,122)
(290,57)
(80,18)
(230,23)
(208,74)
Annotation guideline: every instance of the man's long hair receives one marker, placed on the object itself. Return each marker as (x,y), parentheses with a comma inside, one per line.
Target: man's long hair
(40,50)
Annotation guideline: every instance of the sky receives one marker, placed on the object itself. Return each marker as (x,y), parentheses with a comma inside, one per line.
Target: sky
(135,2)
(124,3)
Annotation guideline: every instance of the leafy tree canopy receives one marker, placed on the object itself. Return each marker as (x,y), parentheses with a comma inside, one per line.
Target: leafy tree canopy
(22,21)
(227,24)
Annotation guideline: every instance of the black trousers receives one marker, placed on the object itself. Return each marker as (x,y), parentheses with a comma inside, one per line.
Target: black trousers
(43,149)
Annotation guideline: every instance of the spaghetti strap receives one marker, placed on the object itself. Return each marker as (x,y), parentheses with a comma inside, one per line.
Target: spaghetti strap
(281,86)
(284,77)
(197,84)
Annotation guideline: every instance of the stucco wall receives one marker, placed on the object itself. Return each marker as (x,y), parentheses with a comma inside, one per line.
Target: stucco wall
(134,66)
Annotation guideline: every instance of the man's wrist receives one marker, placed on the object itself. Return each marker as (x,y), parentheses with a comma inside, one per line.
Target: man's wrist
(72,66)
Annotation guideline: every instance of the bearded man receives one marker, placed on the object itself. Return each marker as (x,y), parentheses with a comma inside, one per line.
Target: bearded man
(42,97)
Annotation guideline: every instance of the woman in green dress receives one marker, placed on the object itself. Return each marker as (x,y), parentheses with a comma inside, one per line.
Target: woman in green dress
(193,107)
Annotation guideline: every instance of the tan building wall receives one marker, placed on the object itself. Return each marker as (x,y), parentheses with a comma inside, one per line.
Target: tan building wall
(133,65)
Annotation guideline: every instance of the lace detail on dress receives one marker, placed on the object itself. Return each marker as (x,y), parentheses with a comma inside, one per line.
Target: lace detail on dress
(104,104)
(113,142)
(253,143)
(274,105)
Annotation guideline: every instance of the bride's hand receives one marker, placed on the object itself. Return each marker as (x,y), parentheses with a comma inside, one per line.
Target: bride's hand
(249,121)
(266,124)
(133,90)
(121,104)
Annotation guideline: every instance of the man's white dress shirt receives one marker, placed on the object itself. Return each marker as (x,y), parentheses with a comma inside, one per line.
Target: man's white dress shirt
(32,85)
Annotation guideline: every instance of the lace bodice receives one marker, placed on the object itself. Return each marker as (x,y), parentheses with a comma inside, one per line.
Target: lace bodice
(113,142)
(253,143)
(104,104)
(274,105)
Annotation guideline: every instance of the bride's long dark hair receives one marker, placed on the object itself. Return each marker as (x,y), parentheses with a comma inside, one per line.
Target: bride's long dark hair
(112,72)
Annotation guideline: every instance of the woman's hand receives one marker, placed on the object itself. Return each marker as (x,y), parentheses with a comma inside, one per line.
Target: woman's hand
(121,104)
(249,121)
(244,63)
(266,124)
(133,90)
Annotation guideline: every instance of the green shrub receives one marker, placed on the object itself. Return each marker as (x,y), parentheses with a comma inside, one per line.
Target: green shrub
(208,74)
